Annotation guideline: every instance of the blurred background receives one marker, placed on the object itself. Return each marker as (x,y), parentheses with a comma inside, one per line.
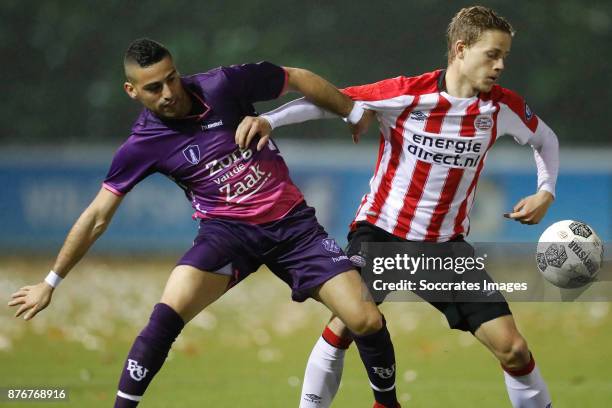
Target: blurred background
(65,113)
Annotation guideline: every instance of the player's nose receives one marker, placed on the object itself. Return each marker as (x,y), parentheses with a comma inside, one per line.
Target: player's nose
(499,64)
(166,93)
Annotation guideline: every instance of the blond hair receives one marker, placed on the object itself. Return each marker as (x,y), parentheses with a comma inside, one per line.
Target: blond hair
(469,24)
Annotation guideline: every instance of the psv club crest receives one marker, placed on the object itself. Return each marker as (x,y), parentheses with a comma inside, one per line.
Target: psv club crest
(483,122)
(192,154)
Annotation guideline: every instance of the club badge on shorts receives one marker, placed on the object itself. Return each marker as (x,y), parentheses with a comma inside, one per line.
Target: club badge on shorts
(330,245)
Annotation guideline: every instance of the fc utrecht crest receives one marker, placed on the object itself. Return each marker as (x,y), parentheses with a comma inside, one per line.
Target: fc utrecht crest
(384,372)
(137,372)
(330,245)
(192,154)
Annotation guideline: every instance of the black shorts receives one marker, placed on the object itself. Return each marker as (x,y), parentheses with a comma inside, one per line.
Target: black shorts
(466,316)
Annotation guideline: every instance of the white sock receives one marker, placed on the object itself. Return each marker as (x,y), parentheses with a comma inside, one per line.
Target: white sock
(322,376)
(528,391)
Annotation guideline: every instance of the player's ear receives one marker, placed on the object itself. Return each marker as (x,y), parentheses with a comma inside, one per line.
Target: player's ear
(129,89)
(459,48)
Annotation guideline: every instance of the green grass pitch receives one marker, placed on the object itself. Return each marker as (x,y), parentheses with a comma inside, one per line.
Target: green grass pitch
(249,348)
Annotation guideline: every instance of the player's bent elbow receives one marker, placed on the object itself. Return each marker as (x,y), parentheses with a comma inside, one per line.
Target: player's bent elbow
(95,221)
(296,78)
(100,226)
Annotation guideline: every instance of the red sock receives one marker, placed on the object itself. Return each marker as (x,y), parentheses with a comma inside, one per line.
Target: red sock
(335,340)
(519,372)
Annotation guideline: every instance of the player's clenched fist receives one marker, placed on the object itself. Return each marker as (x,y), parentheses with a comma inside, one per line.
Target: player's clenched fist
(530,210)
(32,299)
(249,128)
(362,126)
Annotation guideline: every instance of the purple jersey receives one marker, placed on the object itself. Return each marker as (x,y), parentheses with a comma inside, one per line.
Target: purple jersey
(199,153)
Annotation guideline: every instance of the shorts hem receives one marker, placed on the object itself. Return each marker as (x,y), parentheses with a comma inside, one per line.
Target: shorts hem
(475,321)
(198,267)
(301,294)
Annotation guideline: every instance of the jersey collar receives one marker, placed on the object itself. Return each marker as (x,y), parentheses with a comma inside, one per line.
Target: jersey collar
(442,80)
(196,98)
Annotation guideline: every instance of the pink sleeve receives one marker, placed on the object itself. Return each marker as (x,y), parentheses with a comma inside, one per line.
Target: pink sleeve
(113,190)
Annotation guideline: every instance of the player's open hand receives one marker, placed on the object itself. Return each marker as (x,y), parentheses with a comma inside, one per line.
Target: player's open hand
(530,210)
(250,127)
(32,299)
(362,126)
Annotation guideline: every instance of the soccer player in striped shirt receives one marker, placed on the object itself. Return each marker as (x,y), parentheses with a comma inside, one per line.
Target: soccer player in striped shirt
(436,130)
(250,211)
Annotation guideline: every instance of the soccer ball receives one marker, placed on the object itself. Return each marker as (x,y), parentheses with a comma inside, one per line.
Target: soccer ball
(569,254)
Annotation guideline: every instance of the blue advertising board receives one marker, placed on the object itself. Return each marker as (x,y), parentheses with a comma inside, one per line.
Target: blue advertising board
(42,198)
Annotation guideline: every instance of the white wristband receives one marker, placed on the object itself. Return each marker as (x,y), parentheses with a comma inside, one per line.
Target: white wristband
(53,279)
(296,111)
(269,120)
(356,113)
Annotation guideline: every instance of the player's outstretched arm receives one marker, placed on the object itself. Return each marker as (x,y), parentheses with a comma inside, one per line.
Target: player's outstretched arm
(321,100)
(320,92)
(90,225)
(531,209)
(297,111)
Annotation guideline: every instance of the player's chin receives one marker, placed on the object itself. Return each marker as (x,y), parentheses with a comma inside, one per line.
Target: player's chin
(486,86)
(167,113)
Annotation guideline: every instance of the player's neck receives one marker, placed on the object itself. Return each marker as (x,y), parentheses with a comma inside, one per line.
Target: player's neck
(457,85)
(188,105)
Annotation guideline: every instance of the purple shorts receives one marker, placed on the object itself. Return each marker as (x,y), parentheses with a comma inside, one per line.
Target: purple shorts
(295,248)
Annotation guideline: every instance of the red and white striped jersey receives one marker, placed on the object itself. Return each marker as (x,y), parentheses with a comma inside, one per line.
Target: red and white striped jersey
(433,147)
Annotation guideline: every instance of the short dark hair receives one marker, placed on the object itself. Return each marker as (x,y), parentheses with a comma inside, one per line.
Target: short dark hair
(145,52)
(469,24)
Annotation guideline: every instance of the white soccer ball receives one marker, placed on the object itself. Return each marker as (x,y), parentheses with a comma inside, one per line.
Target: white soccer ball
(569,254)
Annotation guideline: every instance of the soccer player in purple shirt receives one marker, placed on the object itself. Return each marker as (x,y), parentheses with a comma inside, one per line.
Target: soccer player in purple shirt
(250,211)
